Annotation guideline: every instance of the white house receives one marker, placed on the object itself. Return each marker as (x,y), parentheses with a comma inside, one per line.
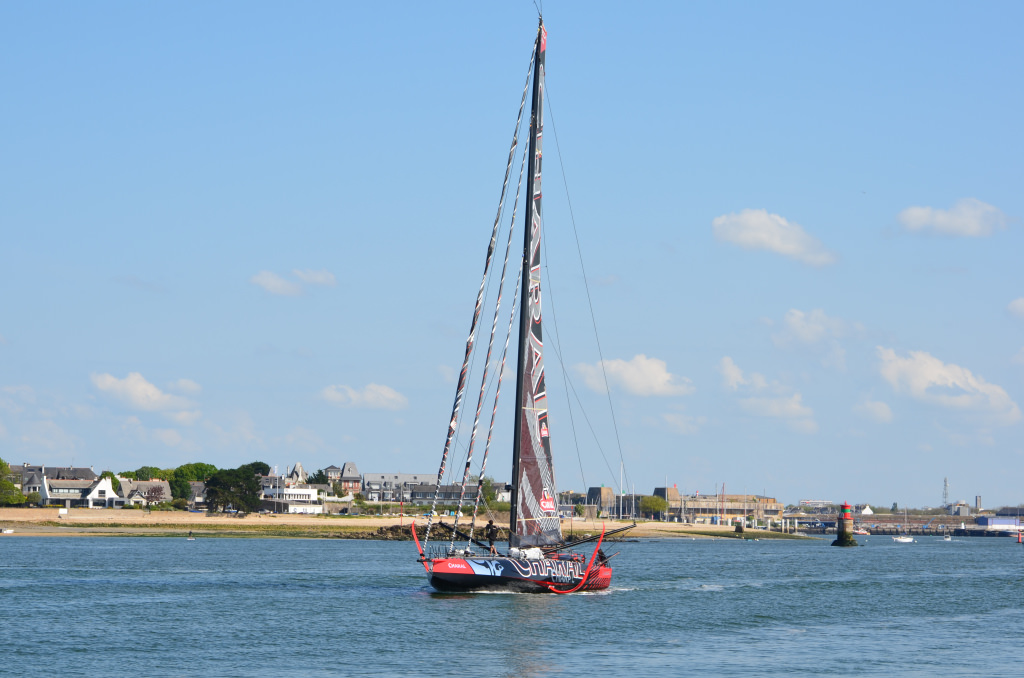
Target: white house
(293,499)
(97,493)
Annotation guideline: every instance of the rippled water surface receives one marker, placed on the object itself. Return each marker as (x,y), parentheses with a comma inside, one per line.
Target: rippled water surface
(240,607)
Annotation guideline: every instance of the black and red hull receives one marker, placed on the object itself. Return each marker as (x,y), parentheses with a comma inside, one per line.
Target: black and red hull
(498,573)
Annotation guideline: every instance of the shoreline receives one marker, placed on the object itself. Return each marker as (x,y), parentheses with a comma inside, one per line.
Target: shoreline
(46,522)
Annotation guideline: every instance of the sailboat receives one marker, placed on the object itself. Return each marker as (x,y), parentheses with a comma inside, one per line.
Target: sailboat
(539,559)
(904,538)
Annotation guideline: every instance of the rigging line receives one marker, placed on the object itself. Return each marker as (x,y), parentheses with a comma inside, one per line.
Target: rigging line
(453,424)
(557,346)
(494,410)
(504,350)
(586,286)
(487,359)
(586,417)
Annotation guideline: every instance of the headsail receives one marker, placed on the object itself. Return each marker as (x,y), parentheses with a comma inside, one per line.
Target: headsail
(535,506)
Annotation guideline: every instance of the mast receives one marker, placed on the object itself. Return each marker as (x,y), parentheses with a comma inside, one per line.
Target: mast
(534,514)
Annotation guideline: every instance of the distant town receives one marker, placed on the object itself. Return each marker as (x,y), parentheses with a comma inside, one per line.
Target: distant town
(344,490)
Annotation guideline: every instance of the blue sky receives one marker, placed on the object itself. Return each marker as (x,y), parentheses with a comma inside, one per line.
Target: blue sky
(248,231)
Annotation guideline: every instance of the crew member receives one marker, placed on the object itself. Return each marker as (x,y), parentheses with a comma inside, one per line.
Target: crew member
(491,533)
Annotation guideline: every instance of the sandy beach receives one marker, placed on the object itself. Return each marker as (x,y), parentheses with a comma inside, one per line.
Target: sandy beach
(127,522)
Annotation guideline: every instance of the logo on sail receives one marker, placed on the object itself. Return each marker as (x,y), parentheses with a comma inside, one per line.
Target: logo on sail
(547,502)
(544,430)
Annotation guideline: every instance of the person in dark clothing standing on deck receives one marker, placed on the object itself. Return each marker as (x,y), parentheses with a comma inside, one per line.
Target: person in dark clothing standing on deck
(491,532)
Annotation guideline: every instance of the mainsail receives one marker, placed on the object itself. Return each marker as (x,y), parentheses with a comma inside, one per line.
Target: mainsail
(534,518)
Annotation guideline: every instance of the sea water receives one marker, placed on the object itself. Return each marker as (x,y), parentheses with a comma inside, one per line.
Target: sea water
(83,606)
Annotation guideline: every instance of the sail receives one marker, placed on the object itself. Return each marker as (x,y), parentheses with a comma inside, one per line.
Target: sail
(535,507)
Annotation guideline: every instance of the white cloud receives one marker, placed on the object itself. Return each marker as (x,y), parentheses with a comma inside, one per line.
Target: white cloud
(734,376)
(683,423)
(185,386)
(167,436)
(930,380)
(240,432)
(185,417)
(784,407)
(315,277)
(790,407)
(1016,307)
(47,435)
(139,394)
(758,230)
(374,397)
(448,373)
(817,330)
(304,440)
(799,417)
(275,284)
(875,410)
(640,376)
(968,217)
(808,328)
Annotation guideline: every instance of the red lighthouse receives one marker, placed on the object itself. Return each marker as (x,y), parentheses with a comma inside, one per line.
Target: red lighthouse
(844,527)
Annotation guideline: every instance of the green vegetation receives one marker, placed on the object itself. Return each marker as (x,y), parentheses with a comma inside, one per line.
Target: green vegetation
(318,478)
(195,472)
(652,505)
(10,495)
(114,482)
(180,489)
(487,490)
(238,489)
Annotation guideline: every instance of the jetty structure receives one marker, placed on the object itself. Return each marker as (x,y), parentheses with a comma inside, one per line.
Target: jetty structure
(844,528)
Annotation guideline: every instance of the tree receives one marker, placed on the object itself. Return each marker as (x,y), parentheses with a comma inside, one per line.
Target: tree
(257,468)
(238,488)
(318,478)
(652,505)
(155,494)
(580,510)
(114,482)
(487,489)
(339,491)
(180,489)
(33,498)
(196,471)
(895,508)
(147,473)
(10,495)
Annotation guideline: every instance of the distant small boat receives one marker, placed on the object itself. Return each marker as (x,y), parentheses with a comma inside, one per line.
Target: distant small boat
(7,530)
(861,530)
(904,538)
(946,537)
